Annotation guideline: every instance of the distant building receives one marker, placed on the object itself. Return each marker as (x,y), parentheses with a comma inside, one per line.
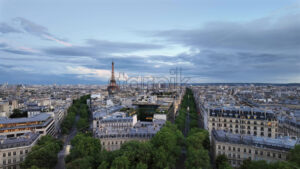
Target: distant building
(289,126)
(239,147)
(14,150)
(116,128)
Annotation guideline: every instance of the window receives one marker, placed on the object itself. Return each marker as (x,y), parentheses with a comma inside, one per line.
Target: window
(248,127)
(279,155)
(269,135)
(213,124)
(233,148)
(238,149)
(262,134)
(248,132)
(219,147)
(21,152)
(249,151)
(256,152)
(269,129)
(21,158)
(274,155)
(223,147)
(261,153)
(9,153)
(14,153)
(4,162)
(262,129)
(245,150)
(9,161)
(4,154)
(229,148)
(268,154)
(26,151)
(14,160)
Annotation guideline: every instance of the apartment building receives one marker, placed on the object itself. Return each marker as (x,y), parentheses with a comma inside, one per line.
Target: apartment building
(42,123)
(14,150)
(238,147)
(250,121)
(116,129)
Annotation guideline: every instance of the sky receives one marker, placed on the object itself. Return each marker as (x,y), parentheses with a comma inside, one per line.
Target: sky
(74,42)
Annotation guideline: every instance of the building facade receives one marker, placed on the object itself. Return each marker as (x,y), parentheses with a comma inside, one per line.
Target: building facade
(243,121)
(239,147)
(42,123)
(14,150)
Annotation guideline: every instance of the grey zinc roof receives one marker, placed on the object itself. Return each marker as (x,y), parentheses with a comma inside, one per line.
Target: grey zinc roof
(284,143)
(39,117)
(24,140)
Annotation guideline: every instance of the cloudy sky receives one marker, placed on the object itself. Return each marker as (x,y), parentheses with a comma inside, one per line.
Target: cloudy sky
(74,42)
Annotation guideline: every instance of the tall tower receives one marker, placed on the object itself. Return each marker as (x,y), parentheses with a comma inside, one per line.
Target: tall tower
(112,87)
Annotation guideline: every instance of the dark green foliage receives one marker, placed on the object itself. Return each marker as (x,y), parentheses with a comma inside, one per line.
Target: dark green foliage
(222,162)
(79,107)
(44,154)
(103,165)
(167,143)
(197,149)
(81,163)
(248,164)
(197,158)
(86,149)
(17,113)
(121,162)
(294,155)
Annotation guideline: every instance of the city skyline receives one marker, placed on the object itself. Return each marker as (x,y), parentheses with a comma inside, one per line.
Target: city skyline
(213,42)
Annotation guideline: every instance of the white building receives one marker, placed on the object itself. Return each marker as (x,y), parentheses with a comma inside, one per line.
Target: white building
(14,150)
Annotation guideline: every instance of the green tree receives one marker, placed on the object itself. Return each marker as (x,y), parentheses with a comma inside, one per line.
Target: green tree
(197,158)
(222,162)
(294,155)
(104,165)
(81,163)
(121,162)
(17,113)
(44,154)
(141,165)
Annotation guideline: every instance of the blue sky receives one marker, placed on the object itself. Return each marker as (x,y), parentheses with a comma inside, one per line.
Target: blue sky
(71,42)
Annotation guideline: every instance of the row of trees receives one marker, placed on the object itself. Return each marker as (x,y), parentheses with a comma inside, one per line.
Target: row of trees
(79,107)
(161,152)
(197,140)
(198,147)
(43,154)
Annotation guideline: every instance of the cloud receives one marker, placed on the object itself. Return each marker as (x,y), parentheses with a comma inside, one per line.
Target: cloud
(265,34)
(21,50)
(39,30)
(5,28)
(104,74)
(100,47)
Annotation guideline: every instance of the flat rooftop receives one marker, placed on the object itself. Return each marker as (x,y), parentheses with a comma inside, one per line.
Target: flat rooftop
(39,117)
(20,141)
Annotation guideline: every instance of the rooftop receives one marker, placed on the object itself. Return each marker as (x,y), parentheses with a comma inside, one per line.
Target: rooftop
(39,117)
(284,143)
(24,140)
